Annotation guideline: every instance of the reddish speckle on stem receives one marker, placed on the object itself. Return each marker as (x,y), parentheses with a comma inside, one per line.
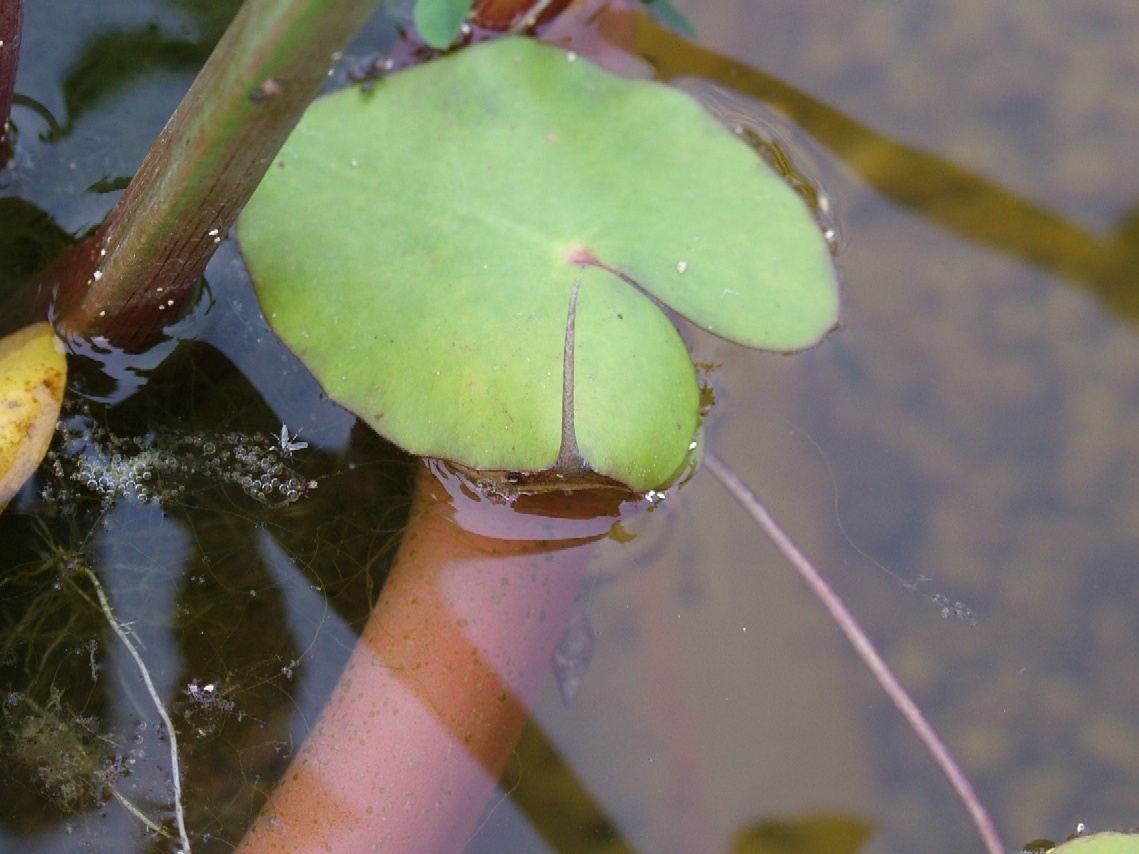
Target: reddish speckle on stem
(270,88)
(502,15)
(579,255)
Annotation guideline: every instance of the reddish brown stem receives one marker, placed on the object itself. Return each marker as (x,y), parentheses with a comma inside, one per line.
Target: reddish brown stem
(435,695)
(503,15)
(142,267)
(11,29)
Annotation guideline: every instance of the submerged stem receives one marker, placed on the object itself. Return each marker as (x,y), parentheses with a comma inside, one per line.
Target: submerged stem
(429,707)
(865,649)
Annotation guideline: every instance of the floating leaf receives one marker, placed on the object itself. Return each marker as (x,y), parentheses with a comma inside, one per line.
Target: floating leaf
(1101,843)
(33,373)
(438,21)
(418,246)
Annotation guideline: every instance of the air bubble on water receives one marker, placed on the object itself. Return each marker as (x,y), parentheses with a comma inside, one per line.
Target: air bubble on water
(207,696)
(156,467)
(955,609)
(572,656)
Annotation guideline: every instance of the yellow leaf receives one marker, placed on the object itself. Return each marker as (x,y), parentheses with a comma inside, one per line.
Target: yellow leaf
(33,373)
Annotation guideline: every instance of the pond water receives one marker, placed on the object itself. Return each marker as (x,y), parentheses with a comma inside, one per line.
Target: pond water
(968,435)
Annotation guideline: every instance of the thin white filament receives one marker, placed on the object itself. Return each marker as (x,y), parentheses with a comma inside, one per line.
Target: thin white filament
(175,767)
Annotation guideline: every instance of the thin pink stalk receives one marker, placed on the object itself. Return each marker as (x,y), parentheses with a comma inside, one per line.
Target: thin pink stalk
(865,649)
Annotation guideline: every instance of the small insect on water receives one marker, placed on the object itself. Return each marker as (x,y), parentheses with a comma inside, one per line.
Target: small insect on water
(288,445)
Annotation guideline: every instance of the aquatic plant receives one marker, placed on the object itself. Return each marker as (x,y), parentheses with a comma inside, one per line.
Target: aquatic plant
(143,458)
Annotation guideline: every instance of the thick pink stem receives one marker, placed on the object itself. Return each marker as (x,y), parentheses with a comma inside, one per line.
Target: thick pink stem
(433,699)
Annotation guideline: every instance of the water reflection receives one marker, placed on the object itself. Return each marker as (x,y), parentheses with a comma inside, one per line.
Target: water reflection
(944,193)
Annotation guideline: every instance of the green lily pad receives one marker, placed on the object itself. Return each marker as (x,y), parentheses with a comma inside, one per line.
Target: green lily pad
(438,21)
(417,247)
(1101,843)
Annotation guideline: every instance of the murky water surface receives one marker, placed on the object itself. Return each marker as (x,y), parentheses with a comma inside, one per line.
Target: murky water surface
(971,427)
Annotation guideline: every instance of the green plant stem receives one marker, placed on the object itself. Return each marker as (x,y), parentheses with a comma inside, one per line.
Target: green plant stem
(11,29)
(863,646)
(140,270)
